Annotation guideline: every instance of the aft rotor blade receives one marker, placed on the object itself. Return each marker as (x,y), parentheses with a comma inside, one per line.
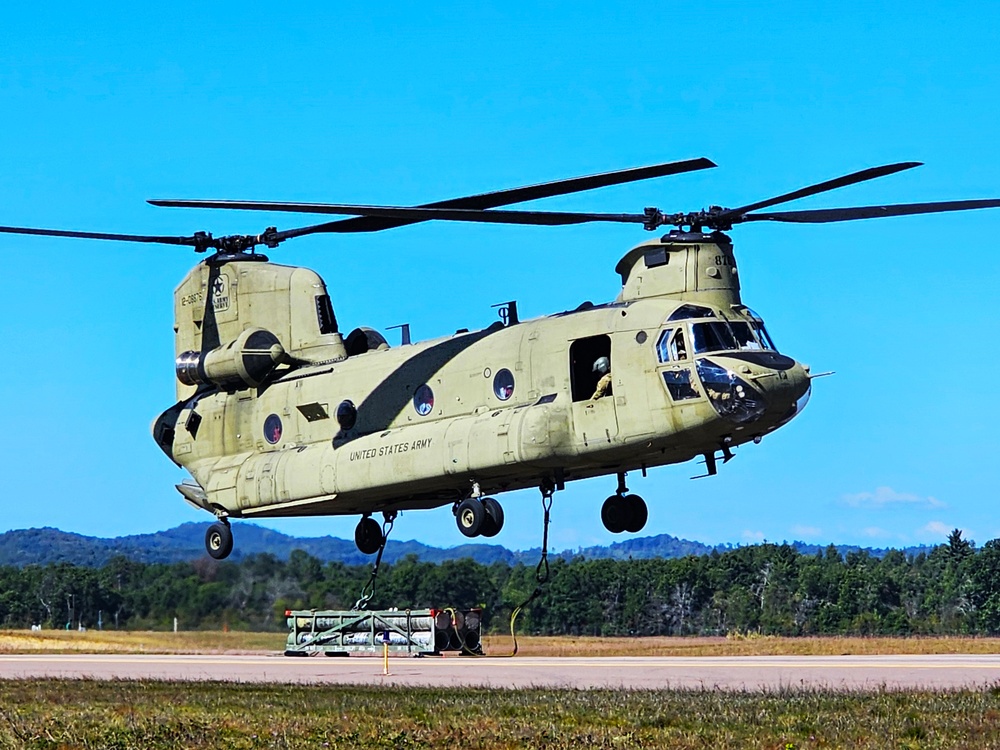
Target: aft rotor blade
(825,215)
(481,201)
(822,187)
(573,185)
(193,241)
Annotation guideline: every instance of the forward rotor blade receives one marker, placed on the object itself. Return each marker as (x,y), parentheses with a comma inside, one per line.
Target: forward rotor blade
(826,215)
(821,187)
(481,201)
(192,241)
(416,213)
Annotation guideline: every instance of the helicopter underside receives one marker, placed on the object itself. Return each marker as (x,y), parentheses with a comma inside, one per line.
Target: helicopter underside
(713,442)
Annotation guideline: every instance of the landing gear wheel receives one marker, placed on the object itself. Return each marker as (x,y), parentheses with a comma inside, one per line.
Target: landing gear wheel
(636,513)
(494,517)
(470,516)
(368,536)
(219,540)
(614,514)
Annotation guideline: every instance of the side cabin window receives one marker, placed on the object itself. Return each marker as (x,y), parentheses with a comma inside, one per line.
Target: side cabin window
(583,354)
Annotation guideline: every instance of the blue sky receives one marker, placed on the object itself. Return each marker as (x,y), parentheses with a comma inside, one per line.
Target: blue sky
(106,106)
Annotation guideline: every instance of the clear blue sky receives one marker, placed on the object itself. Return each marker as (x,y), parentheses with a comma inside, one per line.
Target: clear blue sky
(105,105)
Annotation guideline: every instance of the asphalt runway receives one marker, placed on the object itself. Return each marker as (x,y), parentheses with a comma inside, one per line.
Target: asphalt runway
(640,673)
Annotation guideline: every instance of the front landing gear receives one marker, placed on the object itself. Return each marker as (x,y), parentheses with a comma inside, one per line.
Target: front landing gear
(479,516)
(219,540)
(624,512)
(494,517)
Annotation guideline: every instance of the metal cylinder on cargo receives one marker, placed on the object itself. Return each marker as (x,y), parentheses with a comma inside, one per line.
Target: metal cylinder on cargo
(471,640)
(473,619)
(442,620)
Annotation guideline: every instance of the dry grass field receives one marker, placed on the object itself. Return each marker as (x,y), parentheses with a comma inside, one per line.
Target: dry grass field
(140,642)
(753,645)
(213,642)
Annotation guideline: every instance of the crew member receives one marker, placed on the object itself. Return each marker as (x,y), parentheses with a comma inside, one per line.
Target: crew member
(603,366)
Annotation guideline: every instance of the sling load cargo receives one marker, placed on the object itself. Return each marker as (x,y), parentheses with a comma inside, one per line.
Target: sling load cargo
(417,632)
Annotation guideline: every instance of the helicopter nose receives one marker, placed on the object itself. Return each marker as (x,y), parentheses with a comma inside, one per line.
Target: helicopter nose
(762,388)
(787,392)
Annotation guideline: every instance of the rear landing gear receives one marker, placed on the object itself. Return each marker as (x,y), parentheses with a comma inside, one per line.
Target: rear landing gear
(624,512)
(368,536)
(219,540)
(477,516)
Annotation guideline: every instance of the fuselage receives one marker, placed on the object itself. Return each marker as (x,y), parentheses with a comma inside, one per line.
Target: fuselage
(508,407)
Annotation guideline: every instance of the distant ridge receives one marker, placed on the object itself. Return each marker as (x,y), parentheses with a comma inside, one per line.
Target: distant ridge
(186,542)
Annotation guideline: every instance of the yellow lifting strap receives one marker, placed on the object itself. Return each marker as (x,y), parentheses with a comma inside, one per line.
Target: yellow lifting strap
(541,578)
(542,569)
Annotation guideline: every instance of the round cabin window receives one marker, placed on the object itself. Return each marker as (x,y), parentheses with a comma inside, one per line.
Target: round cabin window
(272,428)
(503,384)
(423,400)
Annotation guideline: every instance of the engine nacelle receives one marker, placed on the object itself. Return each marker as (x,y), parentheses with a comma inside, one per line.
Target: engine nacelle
(247,361)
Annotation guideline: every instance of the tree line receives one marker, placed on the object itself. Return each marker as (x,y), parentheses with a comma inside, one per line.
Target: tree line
(766,588)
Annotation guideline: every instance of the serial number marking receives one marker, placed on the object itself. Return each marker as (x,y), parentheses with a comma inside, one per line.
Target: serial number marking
(389,450)
(192,299)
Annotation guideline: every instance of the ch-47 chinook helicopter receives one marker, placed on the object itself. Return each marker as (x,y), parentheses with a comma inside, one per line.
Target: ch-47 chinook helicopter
(279,414)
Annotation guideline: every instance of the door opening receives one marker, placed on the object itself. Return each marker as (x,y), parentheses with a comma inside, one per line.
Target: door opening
(583,353)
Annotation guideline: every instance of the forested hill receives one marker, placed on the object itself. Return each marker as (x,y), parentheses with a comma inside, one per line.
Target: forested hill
(186,542)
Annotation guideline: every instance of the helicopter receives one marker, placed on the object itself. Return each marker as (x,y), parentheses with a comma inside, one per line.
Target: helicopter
(279,414)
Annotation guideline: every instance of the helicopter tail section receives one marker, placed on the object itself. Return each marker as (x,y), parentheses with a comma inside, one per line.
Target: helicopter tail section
(218,302)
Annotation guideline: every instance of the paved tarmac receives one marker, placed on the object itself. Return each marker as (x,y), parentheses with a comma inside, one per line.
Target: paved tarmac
(728,673)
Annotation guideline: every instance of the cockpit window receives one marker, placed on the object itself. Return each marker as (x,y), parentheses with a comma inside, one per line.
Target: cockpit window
(758,328)
(662,352)
(691,311)
(744,336)
(678,349)
(670,347)
(679,384)
(761,332)
(712,337)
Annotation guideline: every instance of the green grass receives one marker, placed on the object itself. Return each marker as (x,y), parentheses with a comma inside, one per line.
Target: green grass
(151,715)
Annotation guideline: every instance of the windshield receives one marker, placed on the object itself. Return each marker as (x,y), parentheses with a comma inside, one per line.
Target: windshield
(691,311)
(763,336)
(757,323)
(712,337)
(744,336)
